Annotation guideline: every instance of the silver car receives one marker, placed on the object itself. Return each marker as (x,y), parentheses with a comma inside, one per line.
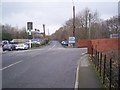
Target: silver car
(7,47)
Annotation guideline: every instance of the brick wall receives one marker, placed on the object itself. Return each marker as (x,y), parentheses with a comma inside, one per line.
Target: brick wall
(105,45)
(102,45)
(84,44)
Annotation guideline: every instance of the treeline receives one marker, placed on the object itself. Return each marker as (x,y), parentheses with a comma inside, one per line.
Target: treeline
(84,21)
(7,32)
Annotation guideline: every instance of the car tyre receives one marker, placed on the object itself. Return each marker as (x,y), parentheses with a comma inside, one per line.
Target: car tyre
(10,49)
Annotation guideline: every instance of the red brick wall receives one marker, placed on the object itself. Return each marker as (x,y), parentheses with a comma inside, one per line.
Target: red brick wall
(102,45)
(84,44)
(105,45)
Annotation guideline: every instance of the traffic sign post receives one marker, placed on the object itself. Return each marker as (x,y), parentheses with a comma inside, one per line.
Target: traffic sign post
(72,41)
(29,28)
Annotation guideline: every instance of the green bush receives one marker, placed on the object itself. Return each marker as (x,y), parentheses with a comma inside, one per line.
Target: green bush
(35,45)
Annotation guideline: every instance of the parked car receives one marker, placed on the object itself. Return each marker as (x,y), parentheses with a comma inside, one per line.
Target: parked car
(7,47)
(22,46)
(14,44)
(36,41)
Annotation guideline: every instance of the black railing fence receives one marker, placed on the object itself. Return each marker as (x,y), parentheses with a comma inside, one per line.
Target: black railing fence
(108,67)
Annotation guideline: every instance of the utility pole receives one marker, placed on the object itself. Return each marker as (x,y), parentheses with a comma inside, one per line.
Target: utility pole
(44,30)
(73,25)
(73,20)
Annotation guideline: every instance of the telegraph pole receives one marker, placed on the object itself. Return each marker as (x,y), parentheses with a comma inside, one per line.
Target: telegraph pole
(73,20)
(73,25)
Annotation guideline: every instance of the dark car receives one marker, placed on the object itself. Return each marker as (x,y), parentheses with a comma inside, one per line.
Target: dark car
(7,47)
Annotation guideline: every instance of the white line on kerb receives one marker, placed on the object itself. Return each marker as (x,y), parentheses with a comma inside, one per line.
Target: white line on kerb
(11,65)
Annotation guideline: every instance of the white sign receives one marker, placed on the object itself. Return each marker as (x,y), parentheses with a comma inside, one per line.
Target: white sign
(71,40)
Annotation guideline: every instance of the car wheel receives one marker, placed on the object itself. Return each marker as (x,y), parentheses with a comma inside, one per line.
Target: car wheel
(10,49)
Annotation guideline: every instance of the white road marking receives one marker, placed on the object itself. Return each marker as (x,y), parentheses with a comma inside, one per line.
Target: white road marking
(11,65)
(77,78)
(53,46)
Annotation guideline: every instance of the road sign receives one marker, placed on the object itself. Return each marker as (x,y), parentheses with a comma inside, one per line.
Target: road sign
(29,26)
(71,40)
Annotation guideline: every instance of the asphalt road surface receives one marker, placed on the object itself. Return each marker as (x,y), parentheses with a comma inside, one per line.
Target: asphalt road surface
(49,67)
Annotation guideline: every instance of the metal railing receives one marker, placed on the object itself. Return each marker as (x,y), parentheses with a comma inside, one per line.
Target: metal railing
(108,68)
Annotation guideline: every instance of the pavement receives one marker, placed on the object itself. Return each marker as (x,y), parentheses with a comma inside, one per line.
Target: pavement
(87,77)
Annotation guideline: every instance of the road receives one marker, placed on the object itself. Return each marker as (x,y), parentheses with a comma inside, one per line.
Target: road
(49,67)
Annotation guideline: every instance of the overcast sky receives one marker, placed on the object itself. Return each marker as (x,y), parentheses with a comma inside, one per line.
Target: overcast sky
(52,13)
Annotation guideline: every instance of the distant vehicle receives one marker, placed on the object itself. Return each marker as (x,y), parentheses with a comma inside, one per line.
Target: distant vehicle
(22,46)
(114,35)
(7,47)
(14,44)
(36,41)
(64,43)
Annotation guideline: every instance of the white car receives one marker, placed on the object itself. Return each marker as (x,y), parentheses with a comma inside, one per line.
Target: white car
(23,46)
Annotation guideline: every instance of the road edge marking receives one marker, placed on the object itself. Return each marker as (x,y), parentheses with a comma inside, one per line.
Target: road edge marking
(77,78)
(11,65)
